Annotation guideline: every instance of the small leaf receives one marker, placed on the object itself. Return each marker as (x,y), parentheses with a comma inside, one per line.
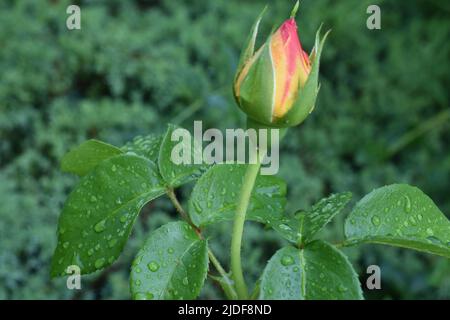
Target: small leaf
(317,272)
(321,213)
(216,194)
(85,157)
(178,174)
(147,146)
(172,264)
(99,213)
(302,227)
(400,215)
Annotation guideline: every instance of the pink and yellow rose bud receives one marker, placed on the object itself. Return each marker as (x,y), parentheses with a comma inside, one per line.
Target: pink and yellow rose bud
(277,85)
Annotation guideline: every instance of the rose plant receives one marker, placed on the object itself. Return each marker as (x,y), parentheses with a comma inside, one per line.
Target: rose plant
(276,87)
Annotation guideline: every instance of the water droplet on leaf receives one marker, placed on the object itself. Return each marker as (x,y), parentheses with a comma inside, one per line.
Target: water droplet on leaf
(100,226)
(99,263)
(376,221)
(153,266)
(407,204)
(287,260)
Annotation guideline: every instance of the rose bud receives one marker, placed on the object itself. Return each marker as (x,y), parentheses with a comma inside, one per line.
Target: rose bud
(277,85)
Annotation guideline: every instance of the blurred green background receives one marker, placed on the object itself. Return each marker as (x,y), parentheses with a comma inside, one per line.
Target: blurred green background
(382,117)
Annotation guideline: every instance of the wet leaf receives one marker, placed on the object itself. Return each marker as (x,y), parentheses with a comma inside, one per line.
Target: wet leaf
(147,146)
(304,225)
(172,264)
(85,157)
(99,213)
(174,173)
(216,194)
(400,215)
(317,272)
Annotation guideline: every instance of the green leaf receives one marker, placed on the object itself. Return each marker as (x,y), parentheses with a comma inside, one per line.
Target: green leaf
(99,213)
(400,215)
(85,157)
(305,224)
(319,271)
(216,194)
(321,213)
(177,174)
(172,264)
(147,146)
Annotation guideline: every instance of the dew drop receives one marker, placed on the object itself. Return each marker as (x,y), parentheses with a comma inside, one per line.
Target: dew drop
(407,204)
(100,226)
(197,207)
(376,221)
(434,240)
(287,260)
(153,266)
(123,218)
(99,263)
(342,288)
(284,227)
(140,296)
(112,243)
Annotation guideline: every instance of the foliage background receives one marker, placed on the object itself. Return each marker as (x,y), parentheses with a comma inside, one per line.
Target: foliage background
(382,117)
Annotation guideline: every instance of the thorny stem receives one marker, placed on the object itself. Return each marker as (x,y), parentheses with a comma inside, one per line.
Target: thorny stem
(226,280)
(238,228)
